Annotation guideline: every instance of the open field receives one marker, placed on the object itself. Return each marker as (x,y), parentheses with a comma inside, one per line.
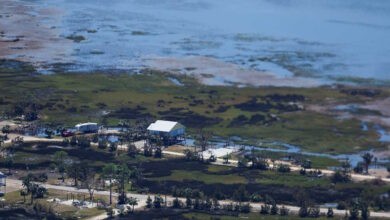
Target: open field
(254,114)
(60,210)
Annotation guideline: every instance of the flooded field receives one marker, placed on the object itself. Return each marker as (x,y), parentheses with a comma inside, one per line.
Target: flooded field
(274,42)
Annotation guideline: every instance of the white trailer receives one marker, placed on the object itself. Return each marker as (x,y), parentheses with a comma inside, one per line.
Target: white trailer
(87,127)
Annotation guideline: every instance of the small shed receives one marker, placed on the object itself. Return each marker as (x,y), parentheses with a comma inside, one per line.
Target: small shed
(166,128)
(87,127)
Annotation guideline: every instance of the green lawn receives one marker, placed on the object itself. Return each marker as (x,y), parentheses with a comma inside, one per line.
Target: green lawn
(181,175)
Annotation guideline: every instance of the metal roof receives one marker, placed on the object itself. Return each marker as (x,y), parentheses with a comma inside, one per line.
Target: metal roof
(164,126)
(85,124)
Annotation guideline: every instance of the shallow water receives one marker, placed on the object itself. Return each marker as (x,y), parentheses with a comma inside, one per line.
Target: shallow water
(285,37)
(354,159)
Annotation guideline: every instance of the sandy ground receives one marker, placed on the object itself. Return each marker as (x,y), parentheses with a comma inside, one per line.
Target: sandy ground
(383,106)
(211,71)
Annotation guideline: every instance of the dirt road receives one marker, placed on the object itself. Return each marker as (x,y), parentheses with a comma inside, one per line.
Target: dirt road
(142,200)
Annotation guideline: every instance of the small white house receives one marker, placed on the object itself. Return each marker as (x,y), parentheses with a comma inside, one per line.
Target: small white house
(166,128)
(87,127)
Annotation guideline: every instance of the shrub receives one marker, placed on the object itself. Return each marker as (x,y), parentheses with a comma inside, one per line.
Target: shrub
(158,200)
(330,213)
(188,203)
(283,168)
(176,204)
(341,206)
(284,211)
(113,146)
(6,129)
(365,213)
(102,144)
(359,167)
(341,177)
(95,138)
(149,202)
(73,141)
(303,211)
(264,209)
(314,212)
(274,209)
(255,198)
(65,142)
(158,152)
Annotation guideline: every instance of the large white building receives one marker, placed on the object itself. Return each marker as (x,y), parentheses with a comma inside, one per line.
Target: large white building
(166,128)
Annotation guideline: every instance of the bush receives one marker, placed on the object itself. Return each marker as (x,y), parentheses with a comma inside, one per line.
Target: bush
(113,146)
(157,202)
(264,209)
(65,142)
(341,177)
(6,129)
(132,150)
(306,164)
(95,138)
(341,206)
(274,209)
(359,168)
(365,212)
(283,168)
(102,144)
(303,211)
(188,203)
(330,213)
(73,141)
(284,211)
(176,204)
(149,202)
(245,208)
(158,152)
(255,198)
(314,212)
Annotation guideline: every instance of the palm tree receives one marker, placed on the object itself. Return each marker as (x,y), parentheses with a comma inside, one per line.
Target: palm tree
(109,170)
(27,181)
(367,158)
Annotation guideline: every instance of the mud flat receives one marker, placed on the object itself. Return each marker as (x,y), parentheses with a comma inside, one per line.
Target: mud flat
(211,71)
(29,33)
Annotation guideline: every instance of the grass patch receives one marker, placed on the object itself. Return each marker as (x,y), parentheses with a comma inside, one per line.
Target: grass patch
(179,175)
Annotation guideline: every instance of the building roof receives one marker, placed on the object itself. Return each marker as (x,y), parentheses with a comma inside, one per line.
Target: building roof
(164,126)
(85,124)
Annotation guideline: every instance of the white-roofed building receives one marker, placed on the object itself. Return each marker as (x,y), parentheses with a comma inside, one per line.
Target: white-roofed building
(166,128)
(87,127)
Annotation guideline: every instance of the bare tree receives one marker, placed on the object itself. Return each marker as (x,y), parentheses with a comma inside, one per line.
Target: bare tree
(91,182)
(203,139)
(367,158)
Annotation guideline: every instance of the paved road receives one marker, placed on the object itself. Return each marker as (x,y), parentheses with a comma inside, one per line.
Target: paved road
(142,199)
